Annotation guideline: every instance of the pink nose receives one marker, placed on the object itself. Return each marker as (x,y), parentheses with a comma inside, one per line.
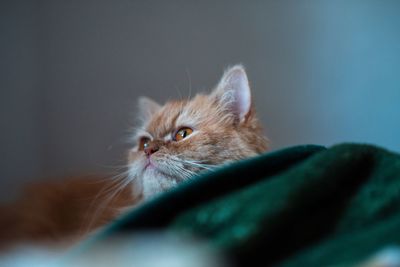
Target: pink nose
(151,149)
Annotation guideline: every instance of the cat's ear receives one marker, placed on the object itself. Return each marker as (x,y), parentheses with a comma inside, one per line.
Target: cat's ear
(233,92)
(147,108)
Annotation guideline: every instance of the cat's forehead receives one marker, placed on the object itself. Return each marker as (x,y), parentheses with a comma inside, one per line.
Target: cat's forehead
(165,118)
(176,114)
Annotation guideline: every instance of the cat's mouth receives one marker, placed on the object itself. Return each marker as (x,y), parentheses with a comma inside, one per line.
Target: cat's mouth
(149,165)
(152,166)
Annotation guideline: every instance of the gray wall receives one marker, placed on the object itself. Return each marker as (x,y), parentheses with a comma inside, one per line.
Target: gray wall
(20,108)
(322,72)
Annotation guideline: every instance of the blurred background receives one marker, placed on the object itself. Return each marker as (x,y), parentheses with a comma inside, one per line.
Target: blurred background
(322,72)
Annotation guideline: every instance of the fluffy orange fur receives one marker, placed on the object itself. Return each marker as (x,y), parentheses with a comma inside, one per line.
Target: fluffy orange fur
(60,211)
(224,128)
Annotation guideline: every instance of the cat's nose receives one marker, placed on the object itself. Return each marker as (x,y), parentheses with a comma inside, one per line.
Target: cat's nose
(151,148)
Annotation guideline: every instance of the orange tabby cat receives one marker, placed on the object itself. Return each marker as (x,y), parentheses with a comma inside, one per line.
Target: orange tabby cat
(174,142)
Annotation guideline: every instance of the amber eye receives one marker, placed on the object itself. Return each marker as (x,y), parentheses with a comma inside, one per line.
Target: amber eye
(182,133)
(143,143)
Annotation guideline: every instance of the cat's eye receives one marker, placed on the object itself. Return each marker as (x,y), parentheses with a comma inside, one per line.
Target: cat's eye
(143,143)
(182,133)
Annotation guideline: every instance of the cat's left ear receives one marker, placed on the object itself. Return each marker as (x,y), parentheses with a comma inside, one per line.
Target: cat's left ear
(233,92)
(147,108)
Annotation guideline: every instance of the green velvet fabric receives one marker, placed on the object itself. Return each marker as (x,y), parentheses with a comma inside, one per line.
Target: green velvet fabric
(301,206)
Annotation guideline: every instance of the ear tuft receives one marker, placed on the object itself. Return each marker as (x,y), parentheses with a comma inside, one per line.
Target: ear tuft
(147,108)
(234,91)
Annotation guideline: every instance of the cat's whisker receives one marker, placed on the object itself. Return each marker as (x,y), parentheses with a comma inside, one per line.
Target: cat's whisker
(179,155)
(180,170)
(113,178)
(113,166)
(202,162)
(111,187)
(116,181)
(103,192)
(195,163)
(116,190)
(190,84)
(177,169)
(199,164)
(179,92)
(186,174)
(186,171)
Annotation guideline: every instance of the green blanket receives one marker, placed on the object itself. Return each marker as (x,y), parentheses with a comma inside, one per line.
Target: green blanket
(301,206)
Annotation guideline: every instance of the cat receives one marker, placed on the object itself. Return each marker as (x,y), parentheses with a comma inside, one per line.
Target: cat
(174,143)
(181,138)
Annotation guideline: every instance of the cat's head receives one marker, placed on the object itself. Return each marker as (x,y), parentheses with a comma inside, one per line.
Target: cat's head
(183,137)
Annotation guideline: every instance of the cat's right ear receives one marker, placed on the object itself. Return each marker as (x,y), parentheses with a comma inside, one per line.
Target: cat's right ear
(233,92)
(147,108)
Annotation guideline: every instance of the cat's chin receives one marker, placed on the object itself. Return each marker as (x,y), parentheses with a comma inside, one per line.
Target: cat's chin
(154,181)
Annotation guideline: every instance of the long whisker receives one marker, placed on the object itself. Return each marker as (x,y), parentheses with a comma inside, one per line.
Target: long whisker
(179,92)
(187,173)
(202,166)
(196,163)
(114,180)
(119,182)
(180,168)
(190,84)
(105,203)
(115,177)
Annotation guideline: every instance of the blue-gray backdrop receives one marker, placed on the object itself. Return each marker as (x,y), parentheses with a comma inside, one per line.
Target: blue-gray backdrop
(322,72)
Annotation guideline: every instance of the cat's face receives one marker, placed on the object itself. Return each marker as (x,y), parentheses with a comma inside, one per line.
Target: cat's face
(182,138)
